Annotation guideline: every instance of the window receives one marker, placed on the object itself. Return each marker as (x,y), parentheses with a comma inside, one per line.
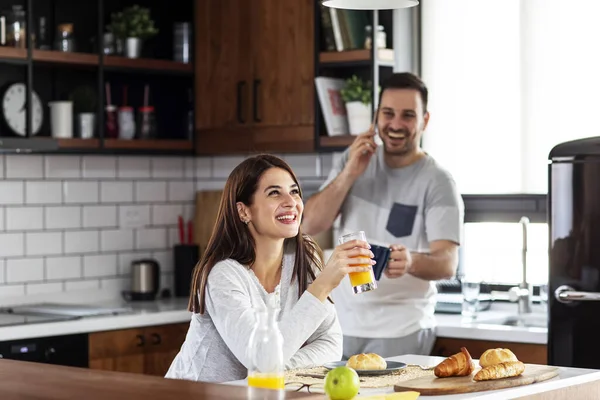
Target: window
(508,80)
(493,252)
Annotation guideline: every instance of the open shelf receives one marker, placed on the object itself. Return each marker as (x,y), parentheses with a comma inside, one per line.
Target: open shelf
(76,143)
(360,56)
(149,144)
(59,57)
(336,141)
(13,54)
(150,64)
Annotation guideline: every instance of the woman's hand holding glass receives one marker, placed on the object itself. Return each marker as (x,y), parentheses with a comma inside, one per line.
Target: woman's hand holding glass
(352,256)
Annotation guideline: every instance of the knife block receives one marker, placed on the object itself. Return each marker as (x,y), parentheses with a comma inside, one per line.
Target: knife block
(186,256)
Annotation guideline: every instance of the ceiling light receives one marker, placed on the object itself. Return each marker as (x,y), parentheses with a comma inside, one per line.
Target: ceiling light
(370,4)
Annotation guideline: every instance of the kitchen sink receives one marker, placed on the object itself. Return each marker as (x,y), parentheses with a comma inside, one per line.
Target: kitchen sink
(526,321)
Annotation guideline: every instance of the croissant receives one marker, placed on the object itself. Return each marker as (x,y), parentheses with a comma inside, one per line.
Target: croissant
(499,371)
(369,361)
(460,364)
(496,356)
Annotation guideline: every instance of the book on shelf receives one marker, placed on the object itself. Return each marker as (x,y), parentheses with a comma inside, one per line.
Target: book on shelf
(343,29)
(332,105)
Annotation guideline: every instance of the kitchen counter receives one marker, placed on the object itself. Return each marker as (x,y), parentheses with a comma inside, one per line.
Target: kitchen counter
(453,326)
(25,380)
(174,310)
(147,313)
(585,382)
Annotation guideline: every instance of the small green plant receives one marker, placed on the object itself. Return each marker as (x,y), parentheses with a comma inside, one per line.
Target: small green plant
(356,90)
(133,21)
(84,99)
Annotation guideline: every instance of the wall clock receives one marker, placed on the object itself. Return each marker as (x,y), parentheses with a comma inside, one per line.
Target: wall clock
(14,109)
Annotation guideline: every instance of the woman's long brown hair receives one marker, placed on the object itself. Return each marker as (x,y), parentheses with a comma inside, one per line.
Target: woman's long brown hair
(231,238)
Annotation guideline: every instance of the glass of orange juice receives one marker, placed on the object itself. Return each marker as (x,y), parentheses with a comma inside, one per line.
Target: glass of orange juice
(361,281)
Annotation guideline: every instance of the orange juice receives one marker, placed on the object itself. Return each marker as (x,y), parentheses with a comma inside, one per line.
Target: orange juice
(267,381)
(361,278)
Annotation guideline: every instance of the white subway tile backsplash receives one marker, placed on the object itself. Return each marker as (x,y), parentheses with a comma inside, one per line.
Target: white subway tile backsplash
(166,214)
(116,192)
(63,217)
(43,192)
(181,190)
(99,167)
(11,193)
(24,218)
(151,191)
(72,286)
(99,216)
(167,167)
(43,243)
(81,192)
(99,265)
(43,288)
(63,267)
(77,242)
(63,167)
(153,238)
(68,217)
(303,165)
(222,166)
(12,244)
(117,240)
(203,167)
(24,270)
(133,167)
(24,167)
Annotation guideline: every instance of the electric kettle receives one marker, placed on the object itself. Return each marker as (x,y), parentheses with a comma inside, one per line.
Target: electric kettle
(145,280)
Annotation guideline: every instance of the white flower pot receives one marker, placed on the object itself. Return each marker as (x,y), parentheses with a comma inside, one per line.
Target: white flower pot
(359,117)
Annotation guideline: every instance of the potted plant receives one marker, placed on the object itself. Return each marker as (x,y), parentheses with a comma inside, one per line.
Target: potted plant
(85,100)
(357,96)
(132,26)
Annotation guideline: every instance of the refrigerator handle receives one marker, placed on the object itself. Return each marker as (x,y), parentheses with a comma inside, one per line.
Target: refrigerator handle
(566,294)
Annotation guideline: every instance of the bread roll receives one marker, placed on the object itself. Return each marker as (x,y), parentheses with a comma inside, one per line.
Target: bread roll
(496,356)
(369,361)
(500,371)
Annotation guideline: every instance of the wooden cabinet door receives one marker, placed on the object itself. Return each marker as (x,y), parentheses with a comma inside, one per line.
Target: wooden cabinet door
(222,62)
(526,352)
(283,53)
(119,350)
(163,344)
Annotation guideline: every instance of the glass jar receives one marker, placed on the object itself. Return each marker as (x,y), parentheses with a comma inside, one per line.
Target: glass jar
(16,28)
(64,38)
(126,121)
(265,351)
(380,37)
(146,123)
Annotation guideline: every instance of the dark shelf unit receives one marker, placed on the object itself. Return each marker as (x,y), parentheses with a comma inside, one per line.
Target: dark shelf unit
(54,74)
(369,64)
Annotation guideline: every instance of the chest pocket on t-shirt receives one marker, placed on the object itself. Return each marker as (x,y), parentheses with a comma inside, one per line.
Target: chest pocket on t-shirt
(401,220)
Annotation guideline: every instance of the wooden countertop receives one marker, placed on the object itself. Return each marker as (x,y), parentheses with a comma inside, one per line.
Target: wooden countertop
(26,380)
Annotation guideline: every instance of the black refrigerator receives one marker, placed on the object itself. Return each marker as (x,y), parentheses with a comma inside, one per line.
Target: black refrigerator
(574,254)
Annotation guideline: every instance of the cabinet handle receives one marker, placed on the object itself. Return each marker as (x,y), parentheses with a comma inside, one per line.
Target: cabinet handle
(240,116)
(255,85)
(141,340)
(155,338)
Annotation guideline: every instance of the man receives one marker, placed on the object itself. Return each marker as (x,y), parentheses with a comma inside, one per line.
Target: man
(403,199)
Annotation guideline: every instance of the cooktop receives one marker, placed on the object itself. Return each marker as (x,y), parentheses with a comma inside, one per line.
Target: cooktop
(16,319)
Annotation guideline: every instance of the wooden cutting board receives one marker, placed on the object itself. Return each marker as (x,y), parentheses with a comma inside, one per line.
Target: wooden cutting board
(433,386)
(205,215)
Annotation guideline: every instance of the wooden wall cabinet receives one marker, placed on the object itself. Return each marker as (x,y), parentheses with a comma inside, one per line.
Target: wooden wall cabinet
(254,66)
(148,350)
(526,352)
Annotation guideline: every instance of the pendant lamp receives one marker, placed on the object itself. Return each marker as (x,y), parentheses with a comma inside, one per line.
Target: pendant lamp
(370,4)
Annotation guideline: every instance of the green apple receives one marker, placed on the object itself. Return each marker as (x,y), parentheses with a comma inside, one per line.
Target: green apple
(342,383)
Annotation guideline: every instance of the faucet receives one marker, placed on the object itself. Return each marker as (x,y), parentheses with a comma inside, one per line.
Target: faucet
(523,293)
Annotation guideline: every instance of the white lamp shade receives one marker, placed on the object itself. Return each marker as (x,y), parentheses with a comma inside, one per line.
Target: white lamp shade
(370,4)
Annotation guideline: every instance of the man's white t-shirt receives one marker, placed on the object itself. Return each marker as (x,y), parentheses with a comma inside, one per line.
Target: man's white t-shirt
(412,206)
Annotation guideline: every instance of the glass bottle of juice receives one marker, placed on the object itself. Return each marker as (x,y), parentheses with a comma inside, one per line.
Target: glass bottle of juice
(265,349)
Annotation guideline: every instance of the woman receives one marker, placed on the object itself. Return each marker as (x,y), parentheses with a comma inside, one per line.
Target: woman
(257,251)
